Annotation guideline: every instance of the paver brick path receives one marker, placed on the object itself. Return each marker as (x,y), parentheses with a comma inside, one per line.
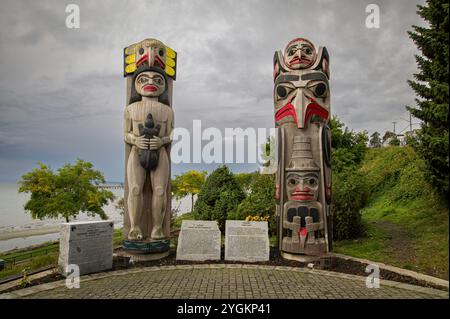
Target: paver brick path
(225,281)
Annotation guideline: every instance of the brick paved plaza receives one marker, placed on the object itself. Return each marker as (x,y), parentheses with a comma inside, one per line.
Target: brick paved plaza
(224,281)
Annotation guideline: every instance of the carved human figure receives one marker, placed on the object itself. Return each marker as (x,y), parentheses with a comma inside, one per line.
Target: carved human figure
(149,86)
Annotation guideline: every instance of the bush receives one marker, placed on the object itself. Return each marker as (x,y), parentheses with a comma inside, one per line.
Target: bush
(350,190)
(218,197)
(349,197)
(260,202)
(348,147)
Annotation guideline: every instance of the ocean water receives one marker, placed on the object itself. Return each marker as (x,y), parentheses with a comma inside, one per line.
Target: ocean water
(14,218)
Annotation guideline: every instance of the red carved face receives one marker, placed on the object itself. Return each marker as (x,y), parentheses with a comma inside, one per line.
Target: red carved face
(299,54)
(302,186)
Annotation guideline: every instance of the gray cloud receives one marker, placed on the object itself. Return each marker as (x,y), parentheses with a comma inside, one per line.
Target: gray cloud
(62,93)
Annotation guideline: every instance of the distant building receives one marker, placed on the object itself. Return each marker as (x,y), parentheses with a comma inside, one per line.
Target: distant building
(403,138)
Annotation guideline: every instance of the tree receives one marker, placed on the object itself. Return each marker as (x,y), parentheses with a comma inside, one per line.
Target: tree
(219,195)
(375,140)
(347,147)
(245,180)
(120,205)
(70,191)
(188,183)
(431,86)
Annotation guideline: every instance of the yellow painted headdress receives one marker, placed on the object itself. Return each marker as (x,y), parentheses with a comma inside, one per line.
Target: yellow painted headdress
(152,52)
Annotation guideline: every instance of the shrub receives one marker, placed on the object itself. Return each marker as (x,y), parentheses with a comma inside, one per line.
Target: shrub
(349,197)
(218,197)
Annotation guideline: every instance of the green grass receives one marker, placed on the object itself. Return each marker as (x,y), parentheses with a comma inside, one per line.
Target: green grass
(32,264)
(43,255)
(117,237)
(371,247)
(35,250)
(401,195)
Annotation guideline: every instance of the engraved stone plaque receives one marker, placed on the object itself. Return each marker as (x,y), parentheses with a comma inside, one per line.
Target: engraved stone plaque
(86,244)
(199,240)
(246,241)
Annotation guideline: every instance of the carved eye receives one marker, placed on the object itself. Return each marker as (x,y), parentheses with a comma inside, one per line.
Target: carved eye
(161,52)
(283,91)
(319,90)
(142,80)
(158,80)
(307,50)
(292,181)
(141,51)
(312,181)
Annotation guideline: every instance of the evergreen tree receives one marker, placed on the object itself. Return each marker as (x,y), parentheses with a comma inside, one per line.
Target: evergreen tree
(219,196)
(431,86)
(375,140)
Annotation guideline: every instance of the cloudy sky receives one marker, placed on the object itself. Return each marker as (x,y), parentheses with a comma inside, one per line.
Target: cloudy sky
(62,92)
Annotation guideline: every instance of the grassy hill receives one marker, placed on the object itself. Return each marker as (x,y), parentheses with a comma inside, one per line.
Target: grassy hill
(405,220)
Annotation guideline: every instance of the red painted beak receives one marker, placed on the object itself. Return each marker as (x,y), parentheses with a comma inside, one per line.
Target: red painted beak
(142,59)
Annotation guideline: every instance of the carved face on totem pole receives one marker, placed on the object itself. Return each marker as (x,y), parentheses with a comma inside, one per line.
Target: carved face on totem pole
(301,95)
(152,52)
(299,54)
(302,186)
(150,83)
(302,175)
(301,91)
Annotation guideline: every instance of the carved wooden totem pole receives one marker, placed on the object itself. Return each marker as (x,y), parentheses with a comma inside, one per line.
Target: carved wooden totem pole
(149,67)
(303,180)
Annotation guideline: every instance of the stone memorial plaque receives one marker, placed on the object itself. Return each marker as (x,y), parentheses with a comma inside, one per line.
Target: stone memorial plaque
(246,241)
(87,245)
(199,240)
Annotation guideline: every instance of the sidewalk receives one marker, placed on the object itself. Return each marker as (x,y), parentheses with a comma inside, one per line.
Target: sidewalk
(225,281)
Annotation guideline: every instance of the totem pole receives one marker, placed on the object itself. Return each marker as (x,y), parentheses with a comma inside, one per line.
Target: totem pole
(150,69)
(303,178)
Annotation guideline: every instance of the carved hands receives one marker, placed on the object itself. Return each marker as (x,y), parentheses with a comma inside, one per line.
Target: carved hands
(155,143)
(144,143)
(141,142)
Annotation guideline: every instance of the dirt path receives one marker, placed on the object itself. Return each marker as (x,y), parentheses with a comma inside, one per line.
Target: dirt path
(401,247)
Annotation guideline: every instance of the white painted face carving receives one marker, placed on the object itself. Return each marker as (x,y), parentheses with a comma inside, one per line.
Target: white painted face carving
(299,54)
(150,84)
(302,186)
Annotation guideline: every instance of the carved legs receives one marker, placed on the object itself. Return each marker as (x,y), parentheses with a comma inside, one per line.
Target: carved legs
(136,179)
(159,179)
